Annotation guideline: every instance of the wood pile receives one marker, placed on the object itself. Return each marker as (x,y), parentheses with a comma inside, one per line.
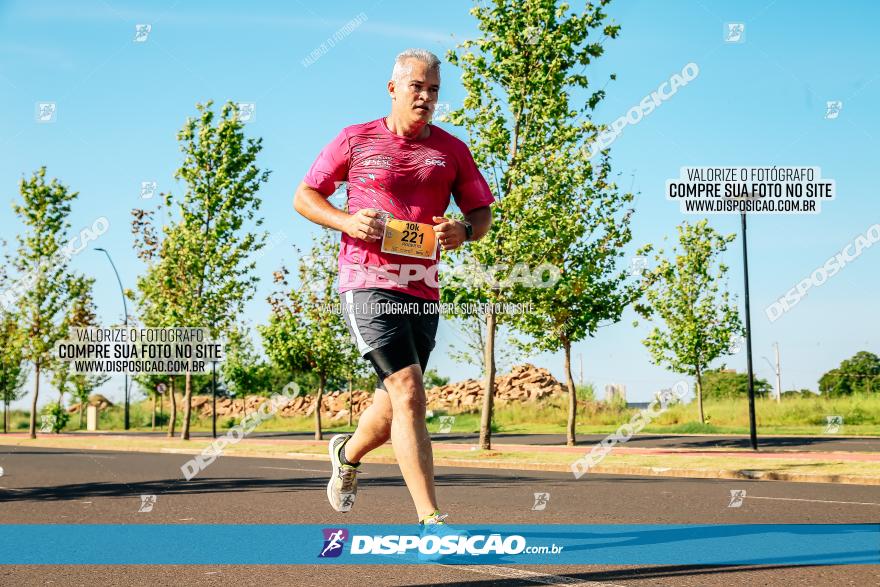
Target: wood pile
(525,383)
(334,405)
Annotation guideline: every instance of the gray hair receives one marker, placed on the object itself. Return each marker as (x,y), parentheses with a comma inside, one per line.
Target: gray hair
(401,70)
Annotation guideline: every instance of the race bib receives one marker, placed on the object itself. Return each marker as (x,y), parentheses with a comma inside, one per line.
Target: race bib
(410,239)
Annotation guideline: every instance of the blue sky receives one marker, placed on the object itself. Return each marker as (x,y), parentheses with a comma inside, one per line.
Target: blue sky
(760,102)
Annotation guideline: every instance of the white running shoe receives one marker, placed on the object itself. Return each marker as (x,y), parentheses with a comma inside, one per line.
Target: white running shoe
(342,487)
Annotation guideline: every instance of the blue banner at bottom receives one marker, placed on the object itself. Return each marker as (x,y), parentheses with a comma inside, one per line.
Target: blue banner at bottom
(623,544)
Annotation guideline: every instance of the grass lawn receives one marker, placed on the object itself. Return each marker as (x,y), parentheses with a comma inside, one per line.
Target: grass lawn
(794,416)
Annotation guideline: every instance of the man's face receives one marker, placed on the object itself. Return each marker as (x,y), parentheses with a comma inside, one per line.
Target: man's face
(413,98)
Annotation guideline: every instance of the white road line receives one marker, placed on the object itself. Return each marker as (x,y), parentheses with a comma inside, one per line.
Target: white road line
(295,469)
(534,577)
(812,500)
(83,454)
(324,471)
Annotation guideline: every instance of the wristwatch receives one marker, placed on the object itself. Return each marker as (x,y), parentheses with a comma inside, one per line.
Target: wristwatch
(468,230)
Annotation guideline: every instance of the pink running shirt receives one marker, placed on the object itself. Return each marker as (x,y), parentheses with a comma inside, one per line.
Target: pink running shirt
(410,178)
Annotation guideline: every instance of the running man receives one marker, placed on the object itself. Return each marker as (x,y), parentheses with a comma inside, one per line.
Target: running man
(401,171)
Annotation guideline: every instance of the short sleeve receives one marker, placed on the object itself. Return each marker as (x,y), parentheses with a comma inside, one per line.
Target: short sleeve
(330,167)
(470,189)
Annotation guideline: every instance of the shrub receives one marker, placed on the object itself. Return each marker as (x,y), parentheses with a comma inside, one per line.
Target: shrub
(59,414)
(722,383)
(585,393)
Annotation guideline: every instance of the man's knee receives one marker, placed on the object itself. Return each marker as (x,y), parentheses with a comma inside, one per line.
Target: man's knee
(406,391)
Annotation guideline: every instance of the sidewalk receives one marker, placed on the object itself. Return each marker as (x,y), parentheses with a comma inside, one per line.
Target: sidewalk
(862,468)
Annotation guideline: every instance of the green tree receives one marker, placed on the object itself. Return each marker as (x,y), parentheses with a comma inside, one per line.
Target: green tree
(42,263)
(858,374)
(201,264)
(722,383)
(304,333)
(799,393)
(470,329)
(521,75)
(13,369)
(356,369)
(242,369)
(700,320)
(82,315)
(590,222)
(60,371)
(434,379)
(153,291)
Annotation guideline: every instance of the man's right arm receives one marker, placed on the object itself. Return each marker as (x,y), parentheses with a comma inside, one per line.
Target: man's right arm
(312,204)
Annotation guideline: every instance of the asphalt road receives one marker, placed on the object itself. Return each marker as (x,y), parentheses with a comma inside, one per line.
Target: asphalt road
(793,443)
(42,485)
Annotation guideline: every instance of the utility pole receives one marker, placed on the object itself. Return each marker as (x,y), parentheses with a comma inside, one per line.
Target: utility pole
(213,399)
(753,428)
(778,375)
(125,321)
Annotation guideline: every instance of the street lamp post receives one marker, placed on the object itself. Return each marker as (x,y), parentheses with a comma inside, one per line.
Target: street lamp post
(124,309)
(778,375)
(213,399)
(776,371)
(753,431)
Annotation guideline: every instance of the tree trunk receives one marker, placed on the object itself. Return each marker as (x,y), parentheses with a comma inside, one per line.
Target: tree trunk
(700,396)
(570,438)
(350,402)
(153,421)
(318,409)
(82,408)
(489,392)
(33,423)
(173,419)
(187,406)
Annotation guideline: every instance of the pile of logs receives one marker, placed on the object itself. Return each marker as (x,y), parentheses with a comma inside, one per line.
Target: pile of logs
(525,383)
(334,405)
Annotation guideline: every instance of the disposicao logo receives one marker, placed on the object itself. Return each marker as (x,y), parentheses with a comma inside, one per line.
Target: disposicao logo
(334,540)
(430,544)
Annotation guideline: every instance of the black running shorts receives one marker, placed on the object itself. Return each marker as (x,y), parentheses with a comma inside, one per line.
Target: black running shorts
(391,329)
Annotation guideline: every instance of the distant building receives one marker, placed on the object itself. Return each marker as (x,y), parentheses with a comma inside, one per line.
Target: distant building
(615,392)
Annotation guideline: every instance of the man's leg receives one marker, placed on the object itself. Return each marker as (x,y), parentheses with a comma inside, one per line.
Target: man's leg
(373,428)
(409,437)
